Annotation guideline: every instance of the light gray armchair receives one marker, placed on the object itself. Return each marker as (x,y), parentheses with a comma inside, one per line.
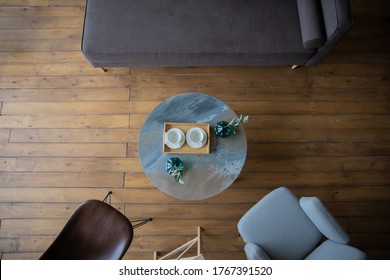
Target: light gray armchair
(281,226)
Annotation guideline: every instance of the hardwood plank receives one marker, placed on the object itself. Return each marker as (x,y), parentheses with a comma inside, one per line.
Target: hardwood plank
(273,108)
(72,164)
(36,210)
(137,120)
(7,164)
(26,244)
(77,194)
(320,121)
(187,211)
(350,81)
(376,241)
(36,34)
(275,135)
(55,69)
(317,149)
(137,180)
(357,208)
(24,2)
(37,135)
(62,150)
(4,134)
(43,3)
(293,164)
(69,22)
(41,57)
(217,70)
(185,81)
(74,108)
(80,121)
(225,93)
(333,70)
(358,135)
(17,227)
(54,180)
(362,193)
(94,94)
(41,11)
(183,227)
(372,108)
(21,256)
(367,57)
(42,45)
(369,224)
(314,178)
(48,82)
(66,2)
(367,163)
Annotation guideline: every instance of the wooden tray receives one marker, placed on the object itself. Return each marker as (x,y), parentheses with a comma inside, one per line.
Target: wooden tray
(187,149)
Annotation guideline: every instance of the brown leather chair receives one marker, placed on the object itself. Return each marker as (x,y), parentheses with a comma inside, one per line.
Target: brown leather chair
(95,231)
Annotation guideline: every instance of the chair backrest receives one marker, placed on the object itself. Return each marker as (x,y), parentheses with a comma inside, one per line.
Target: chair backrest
(95,231)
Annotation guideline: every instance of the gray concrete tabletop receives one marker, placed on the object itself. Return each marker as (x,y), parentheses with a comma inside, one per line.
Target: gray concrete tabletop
(205,175)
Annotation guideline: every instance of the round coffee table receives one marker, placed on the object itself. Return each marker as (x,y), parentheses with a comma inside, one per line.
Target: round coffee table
(205,175)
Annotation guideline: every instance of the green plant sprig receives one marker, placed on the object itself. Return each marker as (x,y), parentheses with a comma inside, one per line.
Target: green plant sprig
(235,122)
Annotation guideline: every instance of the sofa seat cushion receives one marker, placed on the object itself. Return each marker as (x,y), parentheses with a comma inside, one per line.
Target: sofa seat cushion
(192,33)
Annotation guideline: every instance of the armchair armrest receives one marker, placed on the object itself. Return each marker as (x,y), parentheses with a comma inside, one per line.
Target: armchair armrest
(255,252)
(323,219)
(330,250)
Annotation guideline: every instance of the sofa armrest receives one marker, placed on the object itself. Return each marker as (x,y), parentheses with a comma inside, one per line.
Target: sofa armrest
(312,23)
(255,252)
(323,219)
(337,21)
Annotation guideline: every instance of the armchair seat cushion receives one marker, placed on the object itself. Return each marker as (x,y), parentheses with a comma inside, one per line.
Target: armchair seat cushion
(330,250)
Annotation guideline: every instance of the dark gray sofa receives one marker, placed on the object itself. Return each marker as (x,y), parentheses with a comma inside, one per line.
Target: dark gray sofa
(142,33)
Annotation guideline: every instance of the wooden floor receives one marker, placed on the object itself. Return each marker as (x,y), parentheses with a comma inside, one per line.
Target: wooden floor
(69,132)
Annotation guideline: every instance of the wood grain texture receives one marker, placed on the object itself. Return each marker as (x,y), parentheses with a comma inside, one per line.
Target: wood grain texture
(69,132)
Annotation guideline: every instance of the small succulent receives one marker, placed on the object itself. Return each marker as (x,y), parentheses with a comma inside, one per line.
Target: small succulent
(224,129)
(174,166)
